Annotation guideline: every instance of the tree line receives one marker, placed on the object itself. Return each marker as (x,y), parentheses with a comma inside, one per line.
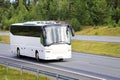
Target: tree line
(75,12)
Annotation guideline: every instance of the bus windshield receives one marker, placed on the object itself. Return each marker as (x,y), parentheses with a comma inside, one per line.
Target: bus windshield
(57,35)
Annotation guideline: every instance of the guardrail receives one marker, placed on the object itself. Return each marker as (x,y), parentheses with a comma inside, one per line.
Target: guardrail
(46,70)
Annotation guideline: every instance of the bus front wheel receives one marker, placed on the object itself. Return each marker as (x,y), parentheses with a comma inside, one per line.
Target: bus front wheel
(18,52)
(37,56)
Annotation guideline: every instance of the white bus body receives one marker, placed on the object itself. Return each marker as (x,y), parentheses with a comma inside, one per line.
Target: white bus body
(41,39)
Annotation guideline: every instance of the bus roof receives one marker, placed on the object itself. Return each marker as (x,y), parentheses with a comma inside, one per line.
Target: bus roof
(38,23)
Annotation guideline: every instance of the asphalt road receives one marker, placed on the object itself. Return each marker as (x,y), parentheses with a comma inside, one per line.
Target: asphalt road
(97,38)
(100,66)
(4,33)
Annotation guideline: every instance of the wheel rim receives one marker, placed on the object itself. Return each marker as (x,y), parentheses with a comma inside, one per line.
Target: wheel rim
(37,56)
(18,53)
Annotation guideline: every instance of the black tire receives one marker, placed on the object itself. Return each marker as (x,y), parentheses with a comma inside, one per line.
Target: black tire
(18,52)
(37,56)
(61,59)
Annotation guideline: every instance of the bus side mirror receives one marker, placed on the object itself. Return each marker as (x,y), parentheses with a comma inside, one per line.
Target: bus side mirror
(72,31)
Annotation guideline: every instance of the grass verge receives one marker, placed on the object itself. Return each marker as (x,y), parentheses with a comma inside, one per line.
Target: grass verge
(99,31)
(4,39)
(101,48)
(4,30)
(14,74)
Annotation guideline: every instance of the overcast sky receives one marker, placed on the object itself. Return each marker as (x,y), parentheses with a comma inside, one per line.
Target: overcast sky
(12,0)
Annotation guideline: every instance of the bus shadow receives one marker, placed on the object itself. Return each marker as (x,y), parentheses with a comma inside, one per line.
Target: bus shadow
(25,58)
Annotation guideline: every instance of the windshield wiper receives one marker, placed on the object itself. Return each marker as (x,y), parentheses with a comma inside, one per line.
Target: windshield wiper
(63,42)
(51,44)
(59,42)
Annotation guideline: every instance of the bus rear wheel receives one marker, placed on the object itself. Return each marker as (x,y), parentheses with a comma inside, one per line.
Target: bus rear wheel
(37,56)
(18,52)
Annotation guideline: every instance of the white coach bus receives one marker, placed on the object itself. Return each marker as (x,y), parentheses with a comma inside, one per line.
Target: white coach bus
(41,39)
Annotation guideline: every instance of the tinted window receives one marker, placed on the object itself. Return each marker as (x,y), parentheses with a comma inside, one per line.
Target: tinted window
(34,31)
(57,34)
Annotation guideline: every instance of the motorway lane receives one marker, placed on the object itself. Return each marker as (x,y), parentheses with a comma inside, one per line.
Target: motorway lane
(101,66)
(97,38)
(4,33)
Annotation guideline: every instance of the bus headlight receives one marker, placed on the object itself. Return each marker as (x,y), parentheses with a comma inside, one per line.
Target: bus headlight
(48,51)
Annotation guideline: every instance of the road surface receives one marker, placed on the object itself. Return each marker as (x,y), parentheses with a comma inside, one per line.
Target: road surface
(97,38)
(100,66)
(4,33)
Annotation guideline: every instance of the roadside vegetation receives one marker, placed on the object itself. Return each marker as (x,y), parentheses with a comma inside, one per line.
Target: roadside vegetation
(4,30)
(4,39)
(14,74)
(99,31)
(100,48)
(75,12)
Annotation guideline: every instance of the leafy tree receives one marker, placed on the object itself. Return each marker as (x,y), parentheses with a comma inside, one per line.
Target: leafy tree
(21,12)
(114,5)
(4,20)
(78,11)
(116,15)
(4,5)
(32,11)
(85,12)
(11,12)
(42,9)
(119,23)
(53,10)
(62,9)
(99,12)
(75,24)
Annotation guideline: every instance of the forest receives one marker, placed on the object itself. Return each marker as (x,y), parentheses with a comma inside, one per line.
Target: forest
(74,12)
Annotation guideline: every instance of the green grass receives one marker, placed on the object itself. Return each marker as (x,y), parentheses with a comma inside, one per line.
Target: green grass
(100,31)
(4,31)
(4,39)
(14,74)
(100,48)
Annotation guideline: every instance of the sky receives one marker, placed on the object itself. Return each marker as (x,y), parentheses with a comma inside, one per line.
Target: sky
(12,0)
